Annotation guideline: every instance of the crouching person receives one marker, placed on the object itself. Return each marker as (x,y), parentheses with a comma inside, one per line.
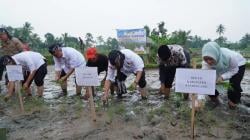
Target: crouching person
(170,57)
(34,68)
(66,59)
(229,65)
(125,62)
(95,59)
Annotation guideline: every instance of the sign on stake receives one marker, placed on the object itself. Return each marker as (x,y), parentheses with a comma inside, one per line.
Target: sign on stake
(87,76)
(15,74)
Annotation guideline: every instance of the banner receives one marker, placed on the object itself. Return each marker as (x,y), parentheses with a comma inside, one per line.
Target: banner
(134,39)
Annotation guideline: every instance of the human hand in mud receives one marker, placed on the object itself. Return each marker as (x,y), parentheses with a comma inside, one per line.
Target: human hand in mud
(134,84)
(219,80)
(25,85)
(62,79)
(105,97)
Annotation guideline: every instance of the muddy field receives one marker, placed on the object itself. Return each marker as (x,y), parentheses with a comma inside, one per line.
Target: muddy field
(124,119)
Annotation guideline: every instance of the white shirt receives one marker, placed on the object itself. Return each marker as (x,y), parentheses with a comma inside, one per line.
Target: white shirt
(29,60)
(132,64)
(71,59)
(235,61)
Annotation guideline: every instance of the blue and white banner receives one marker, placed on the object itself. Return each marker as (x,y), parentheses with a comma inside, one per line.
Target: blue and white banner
(134,39)
(131,35)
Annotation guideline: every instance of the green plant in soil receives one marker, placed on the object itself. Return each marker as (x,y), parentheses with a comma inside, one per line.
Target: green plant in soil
(62,109)
(116,109)
(34,103)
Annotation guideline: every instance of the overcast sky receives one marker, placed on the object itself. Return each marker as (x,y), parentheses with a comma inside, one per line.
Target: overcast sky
(103,17)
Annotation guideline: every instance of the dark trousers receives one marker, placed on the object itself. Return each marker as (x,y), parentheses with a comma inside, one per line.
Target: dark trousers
(234,92)
(122,77)
(38,77)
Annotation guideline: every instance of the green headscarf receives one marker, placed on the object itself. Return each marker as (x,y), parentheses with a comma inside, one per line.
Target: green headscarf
(212,49)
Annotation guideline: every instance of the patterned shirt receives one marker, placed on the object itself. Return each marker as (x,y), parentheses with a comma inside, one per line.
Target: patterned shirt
(177,57)
(11,47)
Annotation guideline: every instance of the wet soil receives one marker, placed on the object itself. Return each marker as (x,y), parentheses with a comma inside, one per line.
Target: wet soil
(129,118)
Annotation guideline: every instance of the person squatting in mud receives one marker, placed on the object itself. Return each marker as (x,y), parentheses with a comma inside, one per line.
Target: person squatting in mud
(229,65)
(66,59)
(95,59)
(124,62)
(34,68)
(170,58)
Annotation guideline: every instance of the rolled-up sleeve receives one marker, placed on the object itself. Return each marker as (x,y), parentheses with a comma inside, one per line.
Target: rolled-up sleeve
(205,65)
(139,65)
(58,66)
(111,73)
(233,69)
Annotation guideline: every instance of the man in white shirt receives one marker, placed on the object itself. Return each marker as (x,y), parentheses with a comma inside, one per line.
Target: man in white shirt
(125,62)
(66,60)
(34,68)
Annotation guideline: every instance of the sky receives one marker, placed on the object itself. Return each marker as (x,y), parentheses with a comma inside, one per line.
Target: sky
(103,17)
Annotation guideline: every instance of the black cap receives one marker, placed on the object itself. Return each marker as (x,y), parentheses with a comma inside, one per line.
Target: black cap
(164,52)
(54,47)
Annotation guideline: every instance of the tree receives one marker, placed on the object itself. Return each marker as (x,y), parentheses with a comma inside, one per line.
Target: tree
(89,39)
(180,37)
(26,32)
(220,29)
(162,29)
(112,43)
(100,40)
(155,32)
(147,30)
(49,39)
(245,41)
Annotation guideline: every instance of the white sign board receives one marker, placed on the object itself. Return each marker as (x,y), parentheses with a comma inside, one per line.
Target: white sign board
(195,81)
(87,76)
(14,72)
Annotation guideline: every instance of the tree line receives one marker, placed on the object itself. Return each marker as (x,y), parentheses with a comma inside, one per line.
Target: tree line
(155,37)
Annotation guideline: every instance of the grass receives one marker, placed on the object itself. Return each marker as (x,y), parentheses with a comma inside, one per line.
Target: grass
(116,109)
(62,109)
(34,104)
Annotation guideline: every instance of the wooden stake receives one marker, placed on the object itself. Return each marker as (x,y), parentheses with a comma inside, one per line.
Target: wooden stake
(18,91)
(193,107)
(92,104)
(192,116)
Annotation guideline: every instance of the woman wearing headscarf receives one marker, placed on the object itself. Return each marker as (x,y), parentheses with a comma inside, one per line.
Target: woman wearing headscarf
(229,65)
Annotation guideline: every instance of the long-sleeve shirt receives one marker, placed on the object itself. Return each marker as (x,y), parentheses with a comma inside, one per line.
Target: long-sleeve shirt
(132,64)
(29,60)
(235,61)
(71,59)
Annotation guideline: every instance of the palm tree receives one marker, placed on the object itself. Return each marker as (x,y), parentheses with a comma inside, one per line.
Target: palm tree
(220,29)
(245,41)
(89,39)
(100,40)
(49,39)
(162,29)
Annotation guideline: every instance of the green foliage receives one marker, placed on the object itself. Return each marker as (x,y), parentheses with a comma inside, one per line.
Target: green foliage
(155,37)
